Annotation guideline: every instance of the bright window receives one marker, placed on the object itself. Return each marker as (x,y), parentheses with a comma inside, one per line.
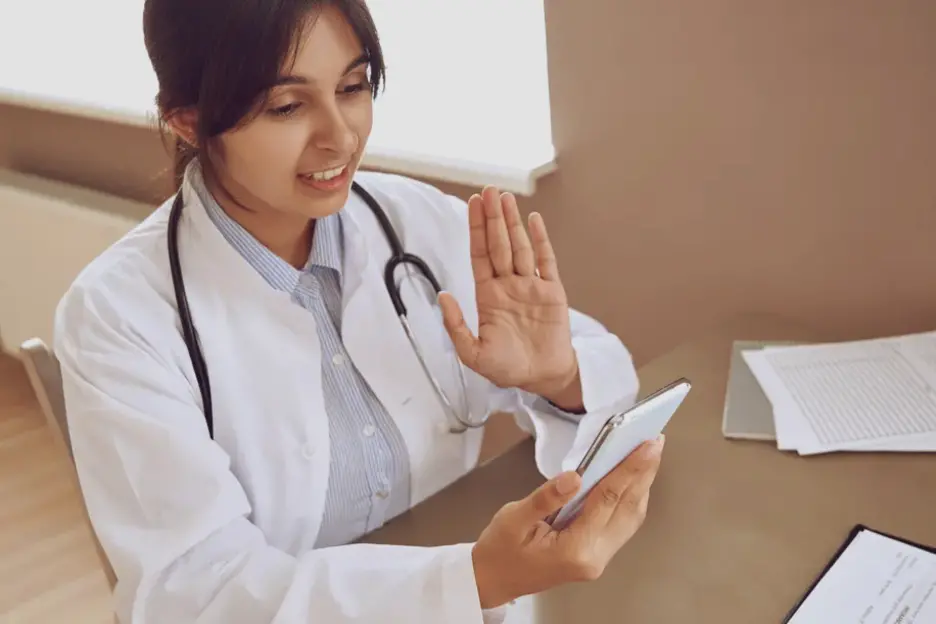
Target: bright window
(466,98)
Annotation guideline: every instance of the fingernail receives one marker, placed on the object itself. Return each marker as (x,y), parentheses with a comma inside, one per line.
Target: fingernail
(655,447)
(566,483)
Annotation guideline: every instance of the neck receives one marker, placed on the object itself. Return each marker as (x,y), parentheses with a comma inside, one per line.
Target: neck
(289,236)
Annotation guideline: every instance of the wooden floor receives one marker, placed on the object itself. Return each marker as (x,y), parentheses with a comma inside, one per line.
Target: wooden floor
(49,572)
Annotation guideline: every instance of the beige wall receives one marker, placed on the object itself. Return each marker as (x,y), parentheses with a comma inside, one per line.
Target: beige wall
(715,157)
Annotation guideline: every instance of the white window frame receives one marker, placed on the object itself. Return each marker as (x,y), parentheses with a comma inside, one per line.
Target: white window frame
(466,98)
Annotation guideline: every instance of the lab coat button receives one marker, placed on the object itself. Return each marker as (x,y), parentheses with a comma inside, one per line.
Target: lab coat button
(370,430)
(307,451)
(383,494)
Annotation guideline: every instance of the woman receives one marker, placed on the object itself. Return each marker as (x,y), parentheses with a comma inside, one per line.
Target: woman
(323,425)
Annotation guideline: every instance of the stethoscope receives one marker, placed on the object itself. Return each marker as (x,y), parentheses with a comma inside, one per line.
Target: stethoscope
(458,423)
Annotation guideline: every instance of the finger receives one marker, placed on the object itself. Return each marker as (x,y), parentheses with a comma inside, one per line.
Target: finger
(542,247)
(477,234)
(523,258)
(498,240)
(629,481)
(632,509)
(547,498)
(466,344)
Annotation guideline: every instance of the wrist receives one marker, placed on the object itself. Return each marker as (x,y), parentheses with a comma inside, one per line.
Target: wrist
(489,590)
(566,393)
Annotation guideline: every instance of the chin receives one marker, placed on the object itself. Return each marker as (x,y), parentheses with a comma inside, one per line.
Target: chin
(321,198)
(316,204)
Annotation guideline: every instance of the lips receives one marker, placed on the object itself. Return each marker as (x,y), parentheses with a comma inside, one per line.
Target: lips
(326,175)
(327,180)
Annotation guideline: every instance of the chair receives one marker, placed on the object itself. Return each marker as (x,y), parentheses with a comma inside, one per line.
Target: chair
(44,373)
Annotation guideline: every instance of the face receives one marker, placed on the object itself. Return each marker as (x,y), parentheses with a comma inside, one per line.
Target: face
(298,156)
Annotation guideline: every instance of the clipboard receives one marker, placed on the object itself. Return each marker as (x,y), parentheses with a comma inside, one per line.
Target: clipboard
(857,529)
(748,414)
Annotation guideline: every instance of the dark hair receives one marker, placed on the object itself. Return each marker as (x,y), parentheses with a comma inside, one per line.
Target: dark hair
(221,57)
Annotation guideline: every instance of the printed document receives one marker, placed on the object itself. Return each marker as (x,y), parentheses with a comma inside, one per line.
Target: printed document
(876,580)
(860,396)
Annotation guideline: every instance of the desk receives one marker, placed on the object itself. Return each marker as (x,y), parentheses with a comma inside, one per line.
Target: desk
(736,530)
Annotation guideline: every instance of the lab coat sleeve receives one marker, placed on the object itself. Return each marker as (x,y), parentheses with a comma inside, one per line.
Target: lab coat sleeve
(609,384)
(175,521)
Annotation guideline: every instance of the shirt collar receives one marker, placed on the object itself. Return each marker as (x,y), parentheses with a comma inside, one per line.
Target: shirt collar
(327,241)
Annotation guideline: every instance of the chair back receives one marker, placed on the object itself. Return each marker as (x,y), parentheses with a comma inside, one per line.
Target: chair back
(44,373)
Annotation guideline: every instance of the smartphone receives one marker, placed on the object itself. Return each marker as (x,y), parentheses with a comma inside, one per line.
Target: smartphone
(620,435)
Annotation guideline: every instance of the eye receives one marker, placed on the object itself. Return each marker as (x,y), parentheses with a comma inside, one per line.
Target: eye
(286,110)
(354,88)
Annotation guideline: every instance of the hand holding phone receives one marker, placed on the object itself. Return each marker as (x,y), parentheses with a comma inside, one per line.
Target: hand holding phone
(519,553)
(621,434)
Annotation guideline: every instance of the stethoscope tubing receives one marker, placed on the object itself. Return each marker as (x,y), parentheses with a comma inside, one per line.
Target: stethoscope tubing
(398,257)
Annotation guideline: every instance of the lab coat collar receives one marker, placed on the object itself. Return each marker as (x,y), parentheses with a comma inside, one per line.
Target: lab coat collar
(238,272)
(209,247)
(326,244)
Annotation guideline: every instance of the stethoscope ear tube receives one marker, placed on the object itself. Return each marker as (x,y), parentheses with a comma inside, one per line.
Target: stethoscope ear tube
(185,315)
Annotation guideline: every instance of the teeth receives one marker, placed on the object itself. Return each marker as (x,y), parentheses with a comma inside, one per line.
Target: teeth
(322,176)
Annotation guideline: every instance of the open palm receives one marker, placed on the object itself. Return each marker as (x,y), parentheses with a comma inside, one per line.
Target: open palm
(524,339)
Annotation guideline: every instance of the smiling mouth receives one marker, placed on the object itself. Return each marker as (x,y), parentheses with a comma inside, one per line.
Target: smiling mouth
(332,180)
(325,176)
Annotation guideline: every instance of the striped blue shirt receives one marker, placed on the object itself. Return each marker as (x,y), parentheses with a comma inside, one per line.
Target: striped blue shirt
(369,476)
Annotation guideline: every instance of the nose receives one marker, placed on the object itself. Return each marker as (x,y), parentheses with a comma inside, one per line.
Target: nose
(334,132)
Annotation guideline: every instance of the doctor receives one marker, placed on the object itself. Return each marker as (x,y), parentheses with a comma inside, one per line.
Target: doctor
(231,490)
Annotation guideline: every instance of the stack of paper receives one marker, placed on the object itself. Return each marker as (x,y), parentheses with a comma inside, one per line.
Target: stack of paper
(869,395)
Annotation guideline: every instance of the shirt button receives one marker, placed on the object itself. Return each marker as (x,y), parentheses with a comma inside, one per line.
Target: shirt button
(382,494)
(307,451)
(370,430)
(338,359)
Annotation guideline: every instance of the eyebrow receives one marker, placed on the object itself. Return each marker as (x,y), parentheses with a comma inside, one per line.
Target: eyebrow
(301,80)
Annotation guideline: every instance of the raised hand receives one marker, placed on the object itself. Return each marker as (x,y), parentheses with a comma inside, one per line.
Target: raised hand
(524,338)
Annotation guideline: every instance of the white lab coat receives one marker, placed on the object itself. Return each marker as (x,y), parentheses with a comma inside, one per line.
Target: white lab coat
(222,531)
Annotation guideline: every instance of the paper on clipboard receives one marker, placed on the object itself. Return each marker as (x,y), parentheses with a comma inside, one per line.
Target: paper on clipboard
(875,580)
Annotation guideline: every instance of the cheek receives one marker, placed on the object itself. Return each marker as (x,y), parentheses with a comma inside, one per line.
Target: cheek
(360,119)
(264,154)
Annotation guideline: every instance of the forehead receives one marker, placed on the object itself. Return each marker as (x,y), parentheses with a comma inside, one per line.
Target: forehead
(325,46)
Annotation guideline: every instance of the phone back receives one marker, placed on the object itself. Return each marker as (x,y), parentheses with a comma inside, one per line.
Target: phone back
(643,422)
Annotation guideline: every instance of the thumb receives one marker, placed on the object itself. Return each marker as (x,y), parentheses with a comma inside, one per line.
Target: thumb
(550,496)
(466,345)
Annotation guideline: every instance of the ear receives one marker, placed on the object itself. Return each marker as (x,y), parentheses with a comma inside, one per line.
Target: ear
(183,124)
